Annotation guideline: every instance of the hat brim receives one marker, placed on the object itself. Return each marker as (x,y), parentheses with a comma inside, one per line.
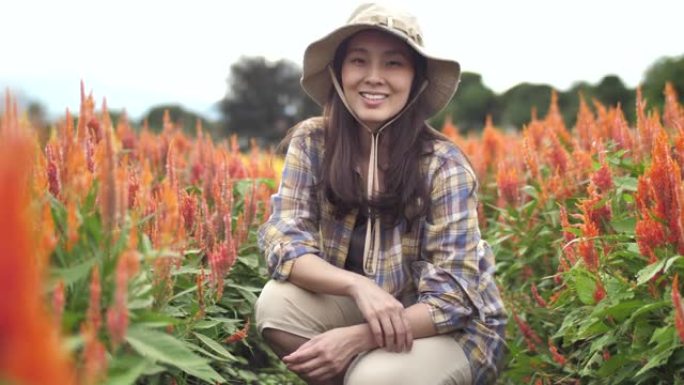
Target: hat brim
(442,74)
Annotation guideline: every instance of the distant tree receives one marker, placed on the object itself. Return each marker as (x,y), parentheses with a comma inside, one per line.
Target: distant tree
(264,99)
(664,70)
(37,115)
(568,101)
(471,104)
(517,103)
(611,91)
(179,116)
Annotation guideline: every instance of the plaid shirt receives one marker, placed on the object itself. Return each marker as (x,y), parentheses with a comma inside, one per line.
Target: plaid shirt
(436,263)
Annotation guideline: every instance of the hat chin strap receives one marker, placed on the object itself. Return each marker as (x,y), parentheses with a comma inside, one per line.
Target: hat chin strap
(371,247)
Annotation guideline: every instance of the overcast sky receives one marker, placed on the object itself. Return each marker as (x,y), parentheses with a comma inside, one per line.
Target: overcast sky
(140,53)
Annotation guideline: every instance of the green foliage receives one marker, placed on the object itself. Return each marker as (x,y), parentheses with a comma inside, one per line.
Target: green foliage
(669,69)
(175,331)
(627,335)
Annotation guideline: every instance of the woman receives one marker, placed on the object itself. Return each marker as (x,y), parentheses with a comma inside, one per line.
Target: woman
(379,275)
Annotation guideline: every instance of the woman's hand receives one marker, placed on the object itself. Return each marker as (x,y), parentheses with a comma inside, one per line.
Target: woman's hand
(328,354)
(385,315)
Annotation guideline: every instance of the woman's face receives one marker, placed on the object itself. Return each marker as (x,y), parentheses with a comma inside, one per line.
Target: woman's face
(377,73)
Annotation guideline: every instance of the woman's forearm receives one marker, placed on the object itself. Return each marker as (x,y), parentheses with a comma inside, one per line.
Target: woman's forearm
(418,316)
(312,273)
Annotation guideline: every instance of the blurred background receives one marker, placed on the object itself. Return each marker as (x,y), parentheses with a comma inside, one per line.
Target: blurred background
(236,65)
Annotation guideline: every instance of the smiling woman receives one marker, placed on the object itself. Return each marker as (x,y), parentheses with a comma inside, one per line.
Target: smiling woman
(379,273)
(377,73)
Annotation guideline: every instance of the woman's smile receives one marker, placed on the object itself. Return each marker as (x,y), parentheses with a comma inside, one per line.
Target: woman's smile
(377,73)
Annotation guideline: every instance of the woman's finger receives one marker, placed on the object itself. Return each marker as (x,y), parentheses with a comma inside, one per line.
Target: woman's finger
(399,332)
(388,333)
(377,331)
(409,332)
(322,373)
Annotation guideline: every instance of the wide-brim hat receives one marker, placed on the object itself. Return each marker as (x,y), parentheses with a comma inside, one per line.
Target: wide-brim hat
(442,74)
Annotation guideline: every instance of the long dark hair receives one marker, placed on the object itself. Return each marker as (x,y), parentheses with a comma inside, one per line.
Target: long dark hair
(406,194)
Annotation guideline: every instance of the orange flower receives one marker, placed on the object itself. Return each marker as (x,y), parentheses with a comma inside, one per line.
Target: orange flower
(508,182)
(673,113)
(58,303)
(93,316)
(531,338)
(559,358)
(586,125)
(602,178)
(556,155)
(238,335)
(31,351)
(537,297)
(600,291)
(586,246)
(649,236)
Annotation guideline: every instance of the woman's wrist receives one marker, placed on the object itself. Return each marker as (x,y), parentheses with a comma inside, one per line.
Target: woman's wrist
(363,338)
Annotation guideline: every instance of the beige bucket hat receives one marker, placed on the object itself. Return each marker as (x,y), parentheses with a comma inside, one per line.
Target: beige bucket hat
(442,74)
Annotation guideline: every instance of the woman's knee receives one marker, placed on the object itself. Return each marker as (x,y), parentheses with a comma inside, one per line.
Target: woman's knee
(435,360)
(275,304)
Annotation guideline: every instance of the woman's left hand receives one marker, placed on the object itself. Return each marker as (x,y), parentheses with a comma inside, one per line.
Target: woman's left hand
(327,354)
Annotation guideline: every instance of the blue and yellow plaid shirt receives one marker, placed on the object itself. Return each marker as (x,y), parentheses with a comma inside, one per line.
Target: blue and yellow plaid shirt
(442,262)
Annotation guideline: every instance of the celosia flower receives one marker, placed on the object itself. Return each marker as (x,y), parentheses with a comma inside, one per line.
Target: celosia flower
(586,246)
(531,338)
(188,211)
(58,301)
(93,316)
(649,236)
(94,357)
(673,113)
(599,291)
(602,178)
(557,357)
(535,293)
(508,183)
(238,335)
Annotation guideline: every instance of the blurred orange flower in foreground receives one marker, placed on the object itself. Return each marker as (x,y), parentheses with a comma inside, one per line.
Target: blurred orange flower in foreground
(31,351)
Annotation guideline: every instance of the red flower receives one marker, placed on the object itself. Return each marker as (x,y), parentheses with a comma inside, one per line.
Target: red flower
(537,297)
(238,335)
(559,358)
(602,178)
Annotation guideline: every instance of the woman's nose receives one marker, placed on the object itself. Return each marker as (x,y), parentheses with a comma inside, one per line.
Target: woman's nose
(374,74)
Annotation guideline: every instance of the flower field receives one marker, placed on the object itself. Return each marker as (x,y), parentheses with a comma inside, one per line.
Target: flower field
(130,256)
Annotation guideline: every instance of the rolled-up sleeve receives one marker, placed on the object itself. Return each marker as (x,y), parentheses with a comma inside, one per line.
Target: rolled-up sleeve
(292,229)
(447,273)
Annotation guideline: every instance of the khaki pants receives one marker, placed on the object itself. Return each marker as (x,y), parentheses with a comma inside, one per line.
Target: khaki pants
(437,360)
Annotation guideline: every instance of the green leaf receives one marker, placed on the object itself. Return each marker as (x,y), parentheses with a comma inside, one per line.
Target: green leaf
(612,365)
(624,225)
(585,286)
(644,275)
(626,183)
(663,335)
(215,346)
(76,273)
(169,350)
(619,311)
(671,261)
(655,361)
(130,375)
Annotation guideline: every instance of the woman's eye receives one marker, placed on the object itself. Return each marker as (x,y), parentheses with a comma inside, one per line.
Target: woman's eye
(356,60)
(395,63)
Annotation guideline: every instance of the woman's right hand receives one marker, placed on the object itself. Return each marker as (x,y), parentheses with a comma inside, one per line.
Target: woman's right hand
(385,315)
